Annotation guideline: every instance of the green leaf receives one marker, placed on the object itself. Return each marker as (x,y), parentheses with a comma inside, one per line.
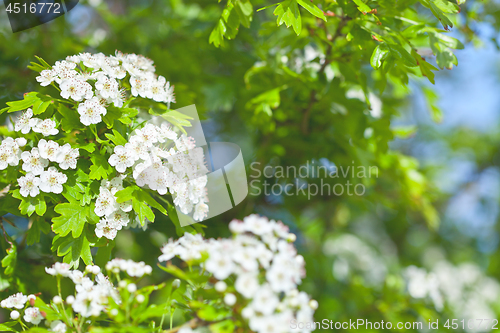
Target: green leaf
(70,119)
(5,328)
(72,249)
(117,138)
(72,219)
(245,11)
(312,8)
(379,55)
(400,53)
(404,132)
(104,254)
(10,260)
(226,326)
(143,211)
(178,119)
(28,101)
(100,168)
(217,34)
(288,13)
(362,7)
(446,6)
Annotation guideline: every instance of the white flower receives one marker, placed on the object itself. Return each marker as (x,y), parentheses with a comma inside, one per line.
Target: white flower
(105,204)
(247,284)
(76,276)
(118,219)
(29,185)
(91,111)
(33,162)
(66,157)
(14,301)
(46,127)
(108,88)
(48,150)
(51,181)
(265,300)
(103,228)
(220,265)
(23,122)
(58,326)
(33,315)
(75,88)
(58,268)
(200,211)
(121,159)
(46,77)
(169,251)
(258,225)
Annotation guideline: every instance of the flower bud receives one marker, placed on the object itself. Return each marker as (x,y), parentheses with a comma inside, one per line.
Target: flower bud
(220,286)
(57,299)
(122,284)
(70,299)
(313,304)
(291,238)
(32,299)
(132,288)
(230,299)
(14,315)
(113,312)
(176,284)
(140,298)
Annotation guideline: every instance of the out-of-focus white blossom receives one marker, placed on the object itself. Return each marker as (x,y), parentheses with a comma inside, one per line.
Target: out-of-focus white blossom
(259,248)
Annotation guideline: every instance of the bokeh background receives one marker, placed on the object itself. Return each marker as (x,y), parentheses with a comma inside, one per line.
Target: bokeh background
(422,242)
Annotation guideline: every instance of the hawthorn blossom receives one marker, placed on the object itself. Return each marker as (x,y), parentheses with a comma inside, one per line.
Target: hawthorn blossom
(75,88)
(48,150)
(107,87)
(16,301)
(91,111)
(58,268)
(46,127)
(105,203)
(46,77)
(33,315)
(29,185)
(67,157)
(23,122)
(265,277)
(51,181)
(105,229)
(33,162)
(121,159)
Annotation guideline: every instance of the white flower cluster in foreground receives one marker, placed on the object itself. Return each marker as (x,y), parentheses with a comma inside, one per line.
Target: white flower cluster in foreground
(35,162)
(93,292)
(464,289)
(75,75)
(264,265)
(162,161)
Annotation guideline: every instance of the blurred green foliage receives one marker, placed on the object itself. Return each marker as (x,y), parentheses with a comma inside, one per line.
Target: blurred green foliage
(325,89)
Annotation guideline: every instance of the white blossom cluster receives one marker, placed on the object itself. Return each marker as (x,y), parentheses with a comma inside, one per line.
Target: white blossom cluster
(114,216)
(265,266)
(464,289)
(167,163)
(25,123)
(19,302)
(75,75)
(35,161)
